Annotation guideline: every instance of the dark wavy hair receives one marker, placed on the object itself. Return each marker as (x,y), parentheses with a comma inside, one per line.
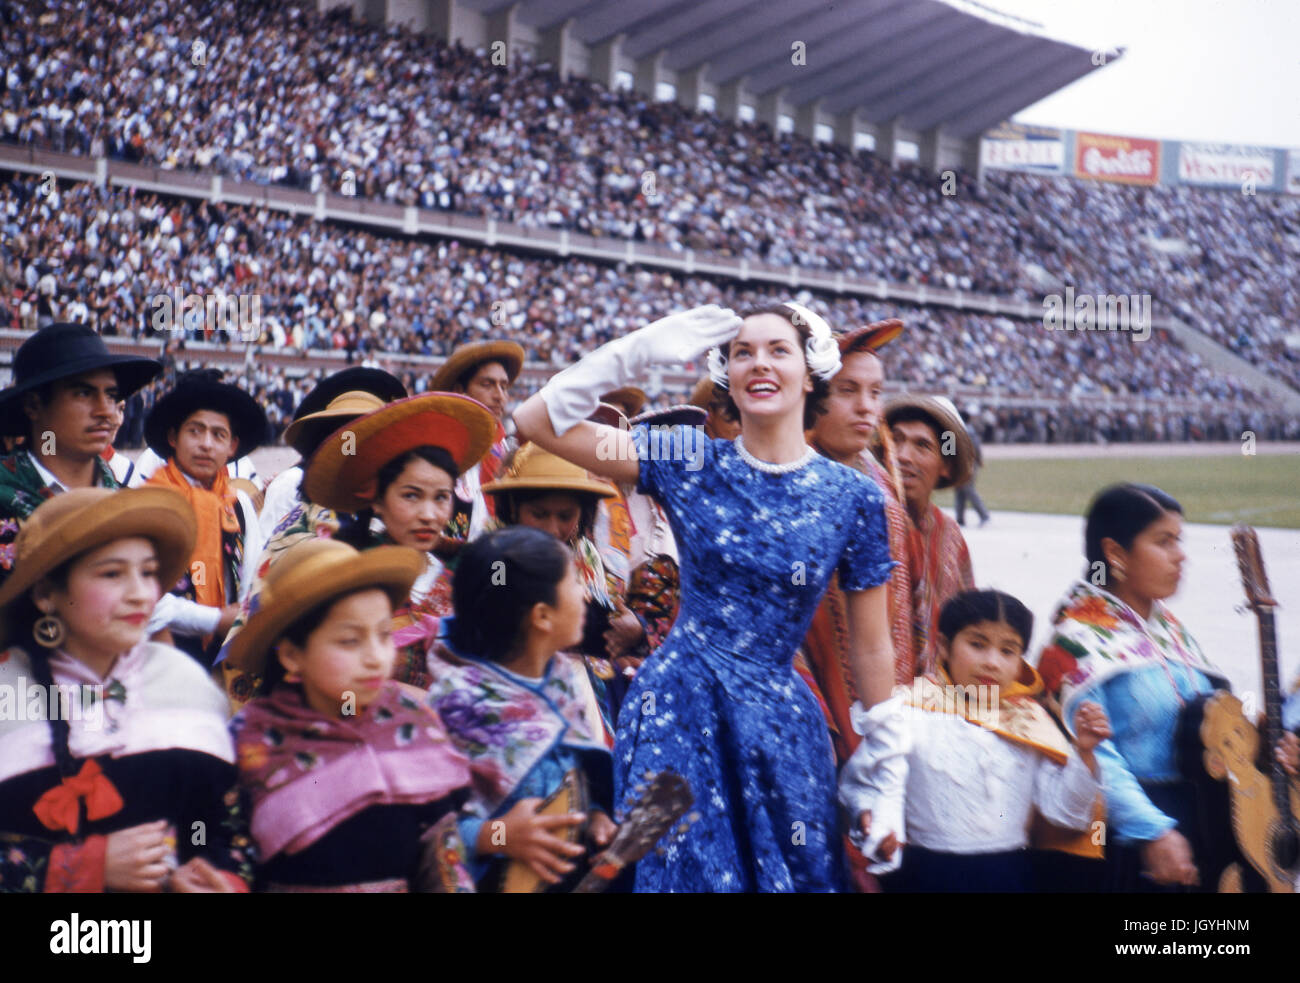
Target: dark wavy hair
(499,578)
(815,404)
(1121,512)
(357,533)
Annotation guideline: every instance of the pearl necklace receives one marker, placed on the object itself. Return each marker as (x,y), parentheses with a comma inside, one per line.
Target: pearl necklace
(768,466)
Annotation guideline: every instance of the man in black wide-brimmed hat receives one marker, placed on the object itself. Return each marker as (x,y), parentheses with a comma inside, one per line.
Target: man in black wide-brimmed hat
(199,427)
(63,405)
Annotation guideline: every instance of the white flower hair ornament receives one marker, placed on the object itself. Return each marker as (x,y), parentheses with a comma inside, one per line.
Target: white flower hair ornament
(821,351)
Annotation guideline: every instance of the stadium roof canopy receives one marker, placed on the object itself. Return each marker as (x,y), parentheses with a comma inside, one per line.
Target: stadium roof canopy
(921,62)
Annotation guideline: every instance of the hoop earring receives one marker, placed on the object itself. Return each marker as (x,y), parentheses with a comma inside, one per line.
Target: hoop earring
(49,631)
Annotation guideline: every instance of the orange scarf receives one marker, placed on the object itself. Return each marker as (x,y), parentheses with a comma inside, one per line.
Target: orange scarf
(216,511)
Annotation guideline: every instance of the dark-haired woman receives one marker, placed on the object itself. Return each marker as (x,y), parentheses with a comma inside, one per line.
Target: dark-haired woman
(396,464)
(1115,643)
(116,768)
(352,782)
(521,708)
(760,524)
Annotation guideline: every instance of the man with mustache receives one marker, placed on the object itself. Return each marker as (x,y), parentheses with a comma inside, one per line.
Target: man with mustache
(199,427)
(63,406)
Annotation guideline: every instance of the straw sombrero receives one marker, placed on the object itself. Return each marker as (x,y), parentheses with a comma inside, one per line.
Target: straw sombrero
(307,575)
(308,432)
(384,386)
(77,521)
(946,418)
(342,472)
(535,469)
(467,357)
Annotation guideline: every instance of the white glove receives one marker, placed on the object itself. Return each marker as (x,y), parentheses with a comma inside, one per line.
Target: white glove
(875,778)
(572,395)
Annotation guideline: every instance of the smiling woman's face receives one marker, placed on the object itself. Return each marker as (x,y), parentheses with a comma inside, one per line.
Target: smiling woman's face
(766,372)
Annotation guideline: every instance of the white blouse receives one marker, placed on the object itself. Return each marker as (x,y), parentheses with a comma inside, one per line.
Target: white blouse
(972,791)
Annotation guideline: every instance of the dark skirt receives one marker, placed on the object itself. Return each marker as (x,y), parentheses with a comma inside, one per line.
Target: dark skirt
(931,871)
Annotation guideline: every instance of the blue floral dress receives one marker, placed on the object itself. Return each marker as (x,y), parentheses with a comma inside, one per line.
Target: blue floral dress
(721,703)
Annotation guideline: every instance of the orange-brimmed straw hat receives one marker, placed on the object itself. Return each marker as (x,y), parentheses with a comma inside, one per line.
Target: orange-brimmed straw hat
(341,475)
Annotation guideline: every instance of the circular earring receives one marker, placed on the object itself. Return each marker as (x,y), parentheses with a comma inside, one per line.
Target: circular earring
(49,631)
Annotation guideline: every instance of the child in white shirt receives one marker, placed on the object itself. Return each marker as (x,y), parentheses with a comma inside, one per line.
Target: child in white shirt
(982,754)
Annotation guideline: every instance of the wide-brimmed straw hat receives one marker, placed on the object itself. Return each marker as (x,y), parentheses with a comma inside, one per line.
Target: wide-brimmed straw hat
(629,399)
(384,386)
(468,357)
(77,521)
(946,419)
(535,469)
(341,474)
(307,575)
(204,390)
(870,337)
(308,432)
(62,351)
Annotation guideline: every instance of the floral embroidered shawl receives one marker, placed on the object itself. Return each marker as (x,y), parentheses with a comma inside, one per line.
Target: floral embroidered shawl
(1097,636)
(306,773)
(504,727)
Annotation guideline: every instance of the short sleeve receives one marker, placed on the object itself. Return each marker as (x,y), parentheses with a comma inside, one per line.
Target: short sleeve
(668,456)
(865,561)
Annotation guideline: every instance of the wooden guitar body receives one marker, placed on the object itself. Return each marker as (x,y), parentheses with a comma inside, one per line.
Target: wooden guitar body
(1267,838)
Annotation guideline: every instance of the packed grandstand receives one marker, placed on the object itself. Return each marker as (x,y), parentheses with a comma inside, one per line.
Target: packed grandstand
(289,97)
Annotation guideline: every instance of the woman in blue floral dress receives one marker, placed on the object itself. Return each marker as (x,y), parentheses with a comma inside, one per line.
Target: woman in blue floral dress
(761,524)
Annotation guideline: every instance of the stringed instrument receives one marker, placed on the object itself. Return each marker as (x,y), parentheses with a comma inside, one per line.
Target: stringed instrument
(1265,802)
(663,800)
(570,797)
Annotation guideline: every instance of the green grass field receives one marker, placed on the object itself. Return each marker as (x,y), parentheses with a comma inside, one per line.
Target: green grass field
(1261,490)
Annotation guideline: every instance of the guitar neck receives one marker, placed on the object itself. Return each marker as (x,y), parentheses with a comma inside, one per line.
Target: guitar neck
(1273,709)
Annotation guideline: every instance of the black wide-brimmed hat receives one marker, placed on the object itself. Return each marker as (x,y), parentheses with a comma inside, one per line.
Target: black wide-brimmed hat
(204,390)
(63,351)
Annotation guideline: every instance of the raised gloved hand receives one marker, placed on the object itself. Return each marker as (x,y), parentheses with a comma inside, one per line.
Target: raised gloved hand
(572,395)
(873,780)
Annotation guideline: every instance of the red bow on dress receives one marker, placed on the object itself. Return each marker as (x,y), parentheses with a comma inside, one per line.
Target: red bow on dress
(59,807)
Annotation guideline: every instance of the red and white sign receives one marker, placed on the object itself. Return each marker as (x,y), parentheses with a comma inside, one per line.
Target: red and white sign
(1224,164)
(1128,160)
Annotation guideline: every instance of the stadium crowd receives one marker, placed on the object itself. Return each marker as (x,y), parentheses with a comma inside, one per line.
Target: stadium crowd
(276,93)
(104,256)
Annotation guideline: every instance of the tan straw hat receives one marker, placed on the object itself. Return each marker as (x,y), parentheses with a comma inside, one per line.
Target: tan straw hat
(946,419)
(309,574)
(467,357)
(344,407)
(535,469)
(77,521)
